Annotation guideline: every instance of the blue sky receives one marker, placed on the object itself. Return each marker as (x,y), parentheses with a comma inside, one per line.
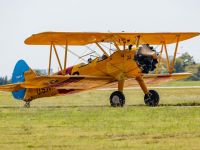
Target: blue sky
(21,18)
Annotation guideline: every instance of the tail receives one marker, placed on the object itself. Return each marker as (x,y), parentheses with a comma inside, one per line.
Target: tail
(18,92)
(24,74)
(18,76)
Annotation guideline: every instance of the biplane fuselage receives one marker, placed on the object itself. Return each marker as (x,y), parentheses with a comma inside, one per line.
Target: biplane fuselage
(119,65)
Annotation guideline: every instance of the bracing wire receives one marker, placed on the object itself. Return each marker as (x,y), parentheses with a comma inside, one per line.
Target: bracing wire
(70,51)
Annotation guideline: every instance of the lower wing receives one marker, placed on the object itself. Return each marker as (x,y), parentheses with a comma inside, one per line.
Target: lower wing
(152,79)
(89,82)
(60,82)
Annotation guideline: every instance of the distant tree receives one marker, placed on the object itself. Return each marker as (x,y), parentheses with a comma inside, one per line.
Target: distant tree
(4,80)
(196,75)
(183,61)
(179,65)
(40,71)
(1,81)
(198,72)
(187,59)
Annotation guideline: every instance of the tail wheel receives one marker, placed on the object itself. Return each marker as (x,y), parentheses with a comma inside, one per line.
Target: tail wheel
(152,98)
(117,99)
(27,104)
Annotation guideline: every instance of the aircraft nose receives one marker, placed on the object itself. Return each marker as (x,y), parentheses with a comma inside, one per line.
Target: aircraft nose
(148,51)
(147,58)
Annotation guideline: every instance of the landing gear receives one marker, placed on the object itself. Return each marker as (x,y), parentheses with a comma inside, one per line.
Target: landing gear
(117,99)
(152,98)
(27,104)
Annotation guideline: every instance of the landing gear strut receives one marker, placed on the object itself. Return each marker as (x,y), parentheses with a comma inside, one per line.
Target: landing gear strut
(151,97)
(117,99)
(27,104)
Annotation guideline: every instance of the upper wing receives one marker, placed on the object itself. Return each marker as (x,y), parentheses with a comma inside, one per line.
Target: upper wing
(152,79)
(60,82)
(84,38)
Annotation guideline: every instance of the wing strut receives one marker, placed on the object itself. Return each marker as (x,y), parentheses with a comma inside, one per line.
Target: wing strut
(50,56)
(65,59)
(102,49)
(117,47)
(167,56)
(175,52)
(53,47)
(58,59)
(170,66)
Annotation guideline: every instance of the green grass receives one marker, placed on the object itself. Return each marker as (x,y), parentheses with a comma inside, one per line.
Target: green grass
(183,83)
(86,121)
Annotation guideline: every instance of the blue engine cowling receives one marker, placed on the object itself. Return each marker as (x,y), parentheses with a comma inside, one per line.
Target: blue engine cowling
(18,76)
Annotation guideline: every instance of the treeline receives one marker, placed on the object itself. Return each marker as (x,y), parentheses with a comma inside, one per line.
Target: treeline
(4,80)
(186,63)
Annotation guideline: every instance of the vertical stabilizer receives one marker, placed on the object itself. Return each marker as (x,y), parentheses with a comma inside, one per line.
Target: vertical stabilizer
(18,76)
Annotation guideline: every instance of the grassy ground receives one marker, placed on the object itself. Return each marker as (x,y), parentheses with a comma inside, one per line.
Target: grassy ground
(183,83)
(86,121)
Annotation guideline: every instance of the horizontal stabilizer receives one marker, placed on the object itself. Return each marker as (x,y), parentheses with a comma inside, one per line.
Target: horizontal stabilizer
(10,87)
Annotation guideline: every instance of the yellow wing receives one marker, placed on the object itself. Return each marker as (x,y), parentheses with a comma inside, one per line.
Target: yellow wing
(60,82)
(88,82)
(67,82)
(152,79)
(84,38)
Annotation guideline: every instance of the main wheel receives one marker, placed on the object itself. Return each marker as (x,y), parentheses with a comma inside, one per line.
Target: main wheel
(117,99)
(151,99)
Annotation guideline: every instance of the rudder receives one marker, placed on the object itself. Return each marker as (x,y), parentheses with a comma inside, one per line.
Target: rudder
(18,76)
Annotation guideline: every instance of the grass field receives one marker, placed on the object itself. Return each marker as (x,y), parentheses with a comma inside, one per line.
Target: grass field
(182,83)
(86,121)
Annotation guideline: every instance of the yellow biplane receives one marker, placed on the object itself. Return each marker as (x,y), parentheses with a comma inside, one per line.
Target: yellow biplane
(133,62)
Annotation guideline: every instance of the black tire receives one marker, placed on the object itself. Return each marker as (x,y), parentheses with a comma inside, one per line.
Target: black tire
(152,99)
(117,99)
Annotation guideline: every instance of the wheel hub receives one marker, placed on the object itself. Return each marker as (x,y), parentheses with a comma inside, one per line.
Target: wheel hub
(116,99)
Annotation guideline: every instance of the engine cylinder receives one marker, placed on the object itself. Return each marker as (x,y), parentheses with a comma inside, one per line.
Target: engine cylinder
(146,58)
